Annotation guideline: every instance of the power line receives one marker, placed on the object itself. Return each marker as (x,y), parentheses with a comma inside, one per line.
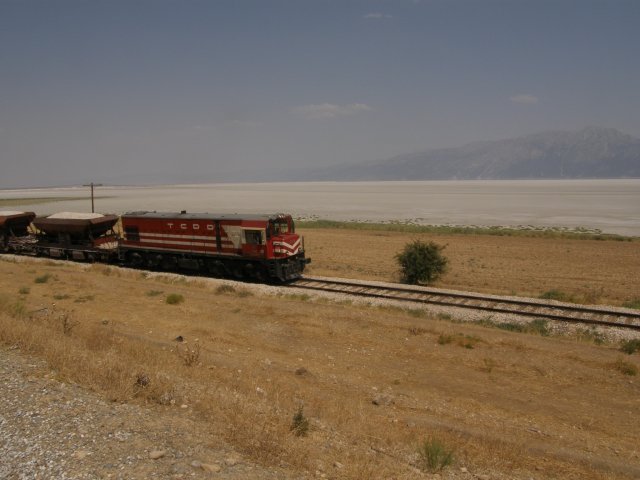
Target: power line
(92,185)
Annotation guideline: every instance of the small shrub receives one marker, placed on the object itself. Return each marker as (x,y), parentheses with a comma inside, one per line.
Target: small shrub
(84,299)
(630,346)
(421,262)
(142,380)
(433,455)
(626,368)
(300,423)
(174,299)
(244,293)
(16,310)
(634,303)
(467,341)
(59,296)
(590,335)
(24,290)
(510,326)
(189,356)
(301,297)
(417,331)
(225,288)
(154,293)
(67,323)
(556,294)
(539,327)
(43,278)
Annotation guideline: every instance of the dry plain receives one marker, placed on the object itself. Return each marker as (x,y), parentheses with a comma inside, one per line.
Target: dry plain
(373,382)
(588,271)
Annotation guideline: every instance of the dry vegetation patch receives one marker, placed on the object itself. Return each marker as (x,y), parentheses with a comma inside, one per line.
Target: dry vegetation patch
(348,391)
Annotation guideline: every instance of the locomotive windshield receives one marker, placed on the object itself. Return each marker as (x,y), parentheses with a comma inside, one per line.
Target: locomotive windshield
(282,226)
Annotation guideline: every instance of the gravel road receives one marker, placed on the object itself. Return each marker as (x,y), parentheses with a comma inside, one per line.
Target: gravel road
(50,429)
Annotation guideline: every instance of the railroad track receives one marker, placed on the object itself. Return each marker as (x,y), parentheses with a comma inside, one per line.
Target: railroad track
(523,307)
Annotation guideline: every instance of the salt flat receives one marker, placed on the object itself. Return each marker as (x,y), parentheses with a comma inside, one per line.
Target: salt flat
(607,205)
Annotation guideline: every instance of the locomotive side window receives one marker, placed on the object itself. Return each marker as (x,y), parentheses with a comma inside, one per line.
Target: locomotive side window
(132,234)
(253,237)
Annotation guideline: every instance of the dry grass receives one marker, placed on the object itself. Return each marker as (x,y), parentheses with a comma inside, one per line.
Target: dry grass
(512,403)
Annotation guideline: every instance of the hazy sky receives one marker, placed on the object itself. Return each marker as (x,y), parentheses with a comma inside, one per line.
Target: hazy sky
(183,90)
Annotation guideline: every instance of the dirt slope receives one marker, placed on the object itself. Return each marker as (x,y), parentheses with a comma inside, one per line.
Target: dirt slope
(373,382)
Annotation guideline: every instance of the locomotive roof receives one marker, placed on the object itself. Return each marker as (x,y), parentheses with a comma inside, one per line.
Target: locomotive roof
(206,216)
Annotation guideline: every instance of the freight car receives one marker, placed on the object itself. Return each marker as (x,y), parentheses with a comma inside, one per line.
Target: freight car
(259,247)
(77,236)
(14,229)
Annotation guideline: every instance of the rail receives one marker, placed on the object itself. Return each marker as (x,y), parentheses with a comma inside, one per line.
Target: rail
(603,316)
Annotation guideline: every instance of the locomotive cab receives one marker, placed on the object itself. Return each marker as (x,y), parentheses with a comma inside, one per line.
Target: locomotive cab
(284,241)
(286,246)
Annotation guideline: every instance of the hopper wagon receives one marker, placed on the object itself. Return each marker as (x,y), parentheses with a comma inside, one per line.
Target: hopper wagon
(14,229)
(77,236)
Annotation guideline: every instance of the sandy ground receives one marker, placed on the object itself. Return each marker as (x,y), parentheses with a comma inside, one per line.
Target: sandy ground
(374,382)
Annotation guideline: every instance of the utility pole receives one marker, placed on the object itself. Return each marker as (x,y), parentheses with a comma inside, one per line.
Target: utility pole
(92,185)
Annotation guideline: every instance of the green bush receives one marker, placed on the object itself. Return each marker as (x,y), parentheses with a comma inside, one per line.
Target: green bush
(630,346)
(174,299)
(43,278)
(555,294)
(300,424)
(433,455)
(421,262)
(625,367)
(634,303)
(537,326)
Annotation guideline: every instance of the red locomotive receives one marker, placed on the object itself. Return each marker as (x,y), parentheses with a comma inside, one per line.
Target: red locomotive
(253,246)
(260,247)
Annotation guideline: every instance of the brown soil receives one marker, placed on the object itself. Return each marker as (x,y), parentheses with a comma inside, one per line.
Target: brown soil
(374,382)
(589,271)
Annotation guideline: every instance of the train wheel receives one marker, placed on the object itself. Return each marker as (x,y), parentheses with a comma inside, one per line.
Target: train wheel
(259,273)
(216,268)
(135,259)
(169,263)
(237,271)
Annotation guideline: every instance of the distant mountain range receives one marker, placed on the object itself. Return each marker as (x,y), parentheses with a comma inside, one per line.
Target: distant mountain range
(592,152)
